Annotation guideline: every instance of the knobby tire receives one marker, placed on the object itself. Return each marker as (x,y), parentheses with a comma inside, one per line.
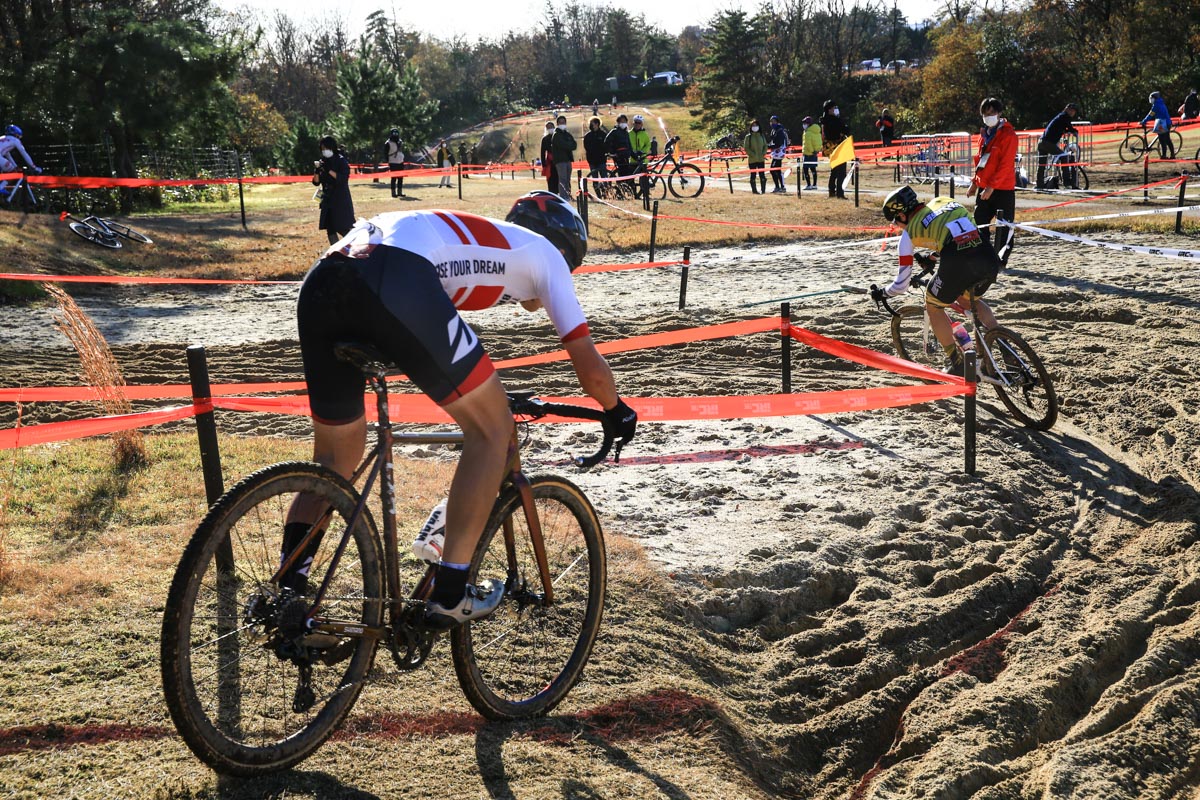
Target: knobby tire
(229,690)
(1030,397)
(94,235)
(524,658)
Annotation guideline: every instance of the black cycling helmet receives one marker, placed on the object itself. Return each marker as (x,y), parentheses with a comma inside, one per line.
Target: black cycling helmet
(551,216)
(900,201)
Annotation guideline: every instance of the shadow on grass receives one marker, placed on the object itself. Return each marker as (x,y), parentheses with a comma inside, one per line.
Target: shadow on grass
(96,508)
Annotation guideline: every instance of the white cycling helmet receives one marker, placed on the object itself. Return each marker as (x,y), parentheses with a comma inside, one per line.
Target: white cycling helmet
(638,118)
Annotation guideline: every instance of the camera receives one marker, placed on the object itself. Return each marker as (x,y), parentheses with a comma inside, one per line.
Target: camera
(316,165)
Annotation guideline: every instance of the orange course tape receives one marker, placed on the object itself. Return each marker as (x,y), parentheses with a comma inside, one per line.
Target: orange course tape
(35,394)
(80,428)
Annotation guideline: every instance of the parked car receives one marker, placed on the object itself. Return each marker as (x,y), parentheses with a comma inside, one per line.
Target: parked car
(896,65)
(668,78)
(870,64)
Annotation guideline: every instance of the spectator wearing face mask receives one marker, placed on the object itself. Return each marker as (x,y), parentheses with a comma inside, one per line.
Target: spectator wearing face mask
(562,150)
(812,148)
(333,176)
(833,132)
(619,147)
(995,177)
(779,145)
(393,148)
(548,171)
(755,145)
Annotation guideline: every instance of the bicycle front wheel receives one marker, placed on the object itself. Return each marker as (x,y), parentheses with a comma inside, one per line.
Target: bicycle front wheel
(686,181)
(250,690)
(525,657)
(94,236)
(127,232)
(1132,148)
(913,338)
(1020,378)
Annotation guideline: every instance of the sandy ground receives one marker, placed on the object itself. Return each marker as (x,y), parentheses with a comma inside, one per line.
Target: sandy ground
(892,626)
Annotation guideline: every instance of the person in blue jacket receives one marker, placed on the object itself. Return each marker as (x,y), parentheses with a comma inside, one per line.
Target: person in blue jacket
(1162,124)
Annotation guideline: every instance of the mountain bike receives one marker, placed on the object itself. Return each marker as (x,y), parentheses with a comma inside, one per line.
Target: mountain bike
(1064,171)
(1006,360)
(1135,144)
(103,231)
(684,180)
(256,677)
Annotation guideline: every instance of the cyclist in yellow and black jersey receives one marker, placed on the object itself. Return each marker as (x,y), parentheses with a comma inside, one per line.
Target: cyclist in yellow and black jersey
(966,264)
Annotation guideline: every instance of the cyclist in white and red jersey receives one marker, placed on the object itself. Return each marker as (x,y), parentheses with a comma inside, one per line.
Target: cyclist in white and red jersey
(397,282)
(10,143)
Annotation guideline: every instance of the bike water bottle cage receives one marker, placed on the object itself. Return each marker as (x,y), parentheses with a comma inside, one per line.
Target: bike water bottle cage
(551,216)
(900,201)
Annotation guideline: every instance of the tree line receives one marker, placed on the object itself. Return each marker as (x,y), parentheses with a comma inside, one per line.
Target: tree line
(183,73)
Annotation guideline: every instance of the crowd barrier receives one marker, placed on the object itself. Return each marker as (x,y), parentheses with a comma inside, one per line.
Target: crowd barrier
(416,408)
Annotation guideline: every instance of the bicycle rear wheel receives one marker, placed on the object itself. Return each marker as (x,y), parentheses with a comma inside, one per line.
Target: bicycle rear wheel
(686,181)
(249,689)
(913,339)
(655,187)
(1023,383)
(524,658)
(94,236)
(127,232)
(1132,148)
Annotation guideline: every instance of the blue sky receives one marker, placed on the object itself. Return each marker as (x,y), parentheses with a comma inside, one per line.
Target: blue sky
(474,19)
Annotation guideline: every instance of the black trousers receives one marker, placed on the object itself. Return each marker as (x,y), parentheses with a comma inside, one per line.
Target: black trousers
(836,176)
(1003,203)
(761,177)
(397,181)
(777,173)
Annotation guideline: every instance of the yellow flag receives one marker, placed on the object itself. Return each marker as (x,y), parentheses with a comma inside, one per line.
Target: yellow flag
(842,153)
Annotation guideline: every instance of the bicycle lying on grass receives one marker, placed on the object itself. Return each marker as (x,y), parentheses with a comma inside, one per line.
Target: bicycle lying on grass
(256,678)
(1006,360)
(103,231)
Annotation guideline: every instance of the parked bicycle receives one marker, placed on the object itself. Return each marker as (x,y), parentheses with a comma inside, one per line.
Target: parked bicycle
(1006,361)
(653,178)
(103,231)
(1135,145)
(257,678)
(1064,171)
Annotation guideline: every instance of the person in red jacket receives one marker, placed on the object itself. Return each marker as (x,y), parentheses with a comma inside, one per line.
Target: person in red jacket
(995,175)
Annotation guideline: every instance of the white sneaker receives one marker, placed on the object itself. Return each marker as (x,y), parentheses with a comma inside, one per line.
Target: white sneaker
(429,542)
(478,602)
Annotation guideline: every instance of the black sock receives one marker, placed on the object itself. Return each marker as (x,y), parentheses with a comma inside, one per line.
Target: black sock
(449,586)
(296,578)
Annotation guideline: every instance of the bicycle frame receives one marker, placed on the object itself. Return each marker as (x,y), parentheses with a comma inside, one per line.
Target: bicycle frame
(22,184)
(378,462)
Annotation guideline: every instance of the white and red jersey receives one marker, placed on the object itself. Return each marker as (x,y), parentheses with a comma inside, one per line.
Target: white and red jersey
(481,262)
(8,144)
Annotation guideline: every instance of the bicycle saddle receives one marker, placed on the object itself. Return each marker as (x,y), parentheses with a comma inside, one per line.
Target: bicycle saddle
(368,359)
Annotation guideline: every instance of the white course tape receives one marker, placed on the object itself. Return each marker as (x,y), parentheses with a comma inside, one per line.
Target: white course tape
(1124,248)
(1175,210)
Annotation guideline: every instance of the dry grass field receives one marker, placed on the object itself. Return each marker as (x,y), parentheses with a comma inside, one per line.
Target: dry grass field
(854,619)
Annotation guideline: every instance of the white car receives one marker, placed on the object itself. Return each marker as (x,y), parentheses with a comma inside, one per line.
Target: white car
(870,64)
(897,64)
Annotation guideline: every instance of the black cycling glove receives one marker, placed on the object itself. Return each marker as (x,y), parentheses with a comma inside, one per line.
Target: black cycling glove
(623,420)
(877,294)
(928,262)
